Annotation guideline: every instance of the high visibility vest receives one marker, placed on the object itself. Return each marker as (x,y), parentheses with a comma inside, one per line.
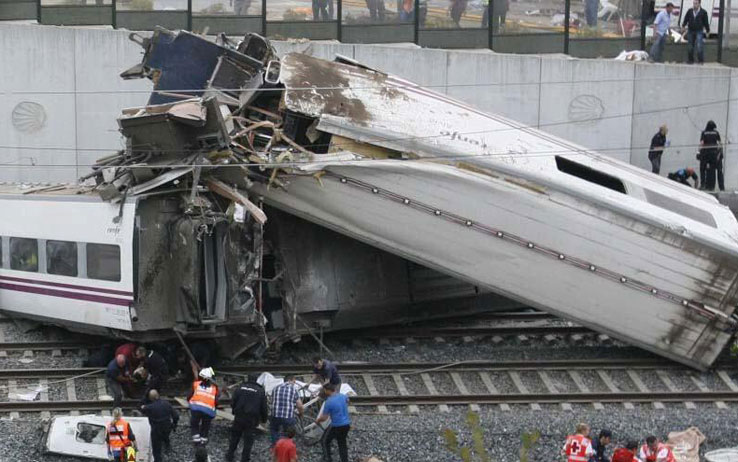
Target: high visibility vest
(653,456)
(118,435)
(203,398)
(578,448)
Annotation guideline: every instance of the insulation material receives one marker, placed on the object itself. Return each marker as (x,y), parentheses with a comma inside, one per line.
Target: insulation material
(686,444)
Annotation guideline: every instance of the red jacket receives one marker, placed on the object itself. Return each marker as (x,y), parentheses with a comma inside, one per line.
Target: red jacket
(128,350)
(623,455)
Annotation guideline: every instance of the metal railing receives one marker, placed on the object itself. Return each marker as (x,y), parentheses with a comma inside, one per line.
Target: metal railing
(557,26)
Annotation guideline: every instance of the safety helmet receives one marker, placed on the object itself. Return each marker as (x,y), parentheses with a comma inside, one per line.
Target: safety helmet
(207,373)
(690,170)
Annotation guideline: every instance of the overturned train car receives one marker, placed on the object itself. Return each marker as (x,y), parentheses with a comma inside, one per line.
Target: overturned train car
(505,208)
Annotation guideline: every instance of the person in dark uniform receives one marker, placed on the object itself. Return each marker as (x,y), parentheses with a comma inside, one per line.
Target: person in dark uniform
(711,158)
(250,407)
(658,142)
(684,174)
(118,379)
(325,373)
(156,367)
(599,446)
(163,420)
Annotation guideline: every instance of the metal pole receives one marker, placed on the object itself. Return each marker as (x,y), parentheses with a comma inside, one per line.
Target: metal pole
(38,11)
(720,32)
(567,18)
(416,22)
(339,14)
(114,19)
(643,24)
(189,15)
(264,18)
(490,34)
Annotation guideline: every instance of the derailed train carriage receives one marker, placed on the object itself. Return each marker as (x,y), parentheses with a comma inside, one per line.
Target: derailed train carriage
(505,208)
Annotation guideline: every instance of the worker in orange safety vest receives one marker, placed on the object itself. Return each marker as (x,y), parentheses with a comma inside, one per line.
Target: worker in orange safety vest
(119,436)
(578,447)
(656,451)
(203,399)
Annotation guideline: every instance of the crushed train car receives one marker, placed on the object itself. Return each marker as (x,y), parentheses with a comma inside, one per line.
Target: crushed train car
(231,130)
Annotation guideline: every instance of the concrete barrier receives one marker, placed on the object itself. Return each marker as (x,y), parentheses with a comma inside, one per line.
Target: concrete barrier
(61,94)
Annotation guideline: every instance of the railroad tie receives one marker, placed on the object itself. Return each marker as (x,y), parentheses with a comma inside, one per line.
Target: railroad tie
(642,387)
(56,353)
(579,382)
(487,381)
(43,395)
(664,376)
(71,394)
(551,387)
(522,388)
(3,353)
(461,386)
(432,390)
(610,384)
(384,341)
(439,339)
(102,390)
(400,384)
(705,389)
(369,381)
(728,381)
(13,389)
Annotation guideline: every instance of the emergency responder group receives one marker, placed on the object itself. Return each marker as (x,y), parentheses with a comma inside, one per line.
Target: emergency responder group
(248,404)
(709,155)
(579,447)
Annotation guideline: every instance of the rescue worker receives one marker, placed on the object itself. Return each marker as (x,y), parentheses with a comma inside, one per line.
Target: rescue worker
(658,142)
(249,405)
(163,420)
(156,367)
(578,447)
(711,159)
(118,378)
(129,351)
(325,372)
(119,436)
(285,399)
(655,451)
(684,174)
(626,454)
(600,445)
(285,449)
(335,408)
(203,399)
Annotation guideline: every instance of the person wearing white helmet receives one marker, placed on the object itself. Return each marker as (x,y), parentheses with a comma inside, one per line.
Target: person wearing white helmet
(203,399)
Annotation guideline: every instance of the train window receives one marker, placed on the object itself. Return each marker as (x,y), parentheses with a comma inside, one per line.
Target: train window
(103,262)
(23,254)
(589,174)
(61,258)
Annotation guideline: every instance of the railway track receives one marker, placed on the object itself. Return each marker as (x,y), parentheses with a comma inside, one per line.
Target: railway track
(405,387)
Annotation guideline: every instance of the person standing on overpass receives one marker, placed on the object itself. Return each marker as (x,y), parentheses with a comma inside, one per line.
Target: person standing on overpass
(660,32)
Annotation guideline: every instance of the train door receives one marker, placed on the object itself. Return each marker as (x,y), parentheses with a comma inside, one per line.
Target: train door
(214,283)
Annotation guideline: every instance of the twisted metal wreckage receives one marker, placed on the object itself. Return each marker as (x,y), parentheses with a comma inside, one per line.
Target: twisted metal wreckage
(505,208)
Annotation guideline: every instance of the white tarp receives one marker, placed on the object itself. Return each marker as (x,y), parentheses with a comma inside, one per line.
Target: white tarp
(270,382)
(686,444)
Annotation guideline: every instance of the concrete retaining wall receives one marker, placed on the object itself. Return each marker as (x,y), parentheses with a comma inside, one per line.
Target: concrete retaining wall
(63,86)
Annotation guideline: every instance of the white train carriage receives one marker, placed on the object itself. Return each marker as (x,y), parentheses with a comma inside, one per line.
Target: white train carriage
(66,257)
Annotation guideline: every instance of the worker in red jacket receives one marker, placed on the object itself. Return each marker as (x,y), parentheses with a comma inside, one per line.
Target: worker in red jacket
(626,454)
(578,447)
(655,451)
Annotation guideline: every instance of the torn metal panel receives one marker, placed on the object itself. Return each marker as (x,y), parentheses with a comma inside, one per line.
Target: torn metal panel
(84,436)
(183,61)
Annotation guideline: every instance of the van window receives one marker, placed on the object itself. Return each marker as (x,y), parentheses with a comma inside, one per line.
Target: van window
(61,258)
(103,262)
(589,174)
(23,254)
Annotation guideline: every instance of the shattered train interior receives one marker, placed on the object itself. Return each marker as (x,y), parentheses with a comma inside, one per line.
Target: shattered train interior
(214,259)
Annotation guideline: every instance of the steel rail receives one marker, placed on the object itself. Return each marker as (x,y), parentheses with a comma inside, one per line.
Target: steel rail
(399,400)
(456,331)
(401,368)
(47,346)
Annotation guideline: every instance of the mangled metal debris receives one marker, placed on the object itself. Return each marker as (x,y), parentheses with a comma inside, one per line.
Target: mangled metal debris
(484,199)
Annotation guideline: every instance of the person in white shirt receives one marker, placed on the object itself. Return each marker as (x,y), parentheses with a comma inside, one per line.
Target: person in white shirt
(660,32)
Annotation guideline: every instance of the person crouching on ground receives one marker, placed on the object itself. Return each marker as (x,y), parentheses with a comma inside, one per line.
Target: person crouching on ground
(285,449)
